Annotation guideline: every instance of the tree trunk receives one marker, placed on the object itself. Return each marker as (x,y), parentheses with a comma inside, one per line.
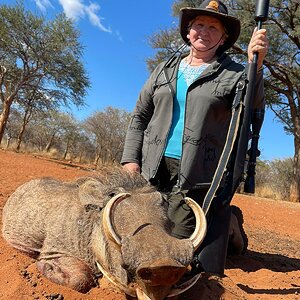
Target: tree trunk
(49,145)
(80,156)
(97,158)
(66,150)
(4,115)
(8,142)
(26,118)
(20,136)
(295,184)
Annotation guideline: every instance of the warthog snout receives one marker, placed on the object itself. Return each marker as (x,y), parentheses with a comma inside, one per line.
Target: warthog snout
(161,272)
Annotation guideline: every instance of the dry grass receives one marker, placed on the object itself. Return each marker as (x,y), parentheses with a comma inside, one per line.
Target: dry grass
(267,192)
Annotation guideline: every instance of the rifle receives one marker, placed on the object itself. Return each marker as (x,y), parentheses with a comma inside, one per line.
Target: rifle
(252,118)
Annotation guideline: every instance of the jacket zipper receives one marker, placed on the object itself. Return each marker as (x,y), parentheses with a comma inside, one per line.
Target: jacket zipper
(178,184)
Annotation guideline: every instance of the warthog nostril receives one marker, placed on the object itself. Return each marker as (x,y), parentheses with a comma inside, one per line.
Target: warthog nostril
(145,274)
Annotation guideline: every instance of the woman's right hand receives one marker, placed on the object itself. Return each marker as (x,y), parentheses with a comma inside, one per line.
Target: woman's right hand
(132,167)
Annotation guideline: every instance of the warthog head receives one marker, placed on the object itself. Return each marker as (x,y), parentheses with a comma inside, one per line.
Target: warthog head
(136,223)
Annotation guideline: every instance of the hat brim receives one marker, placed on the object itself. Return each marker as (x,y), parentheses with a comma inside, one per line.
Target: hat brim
(232,25)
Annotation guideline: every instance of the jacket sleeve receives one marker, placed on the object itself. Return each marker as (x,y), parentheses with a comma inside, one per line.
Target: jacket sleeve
(139,121)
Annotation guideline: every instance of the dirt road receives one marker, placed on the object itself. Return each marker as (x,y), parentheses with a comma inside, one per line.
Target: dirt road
(269,270)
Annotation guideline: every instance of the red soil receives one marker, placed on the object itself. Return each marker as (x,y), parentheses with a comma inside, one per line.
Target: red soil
(269,270)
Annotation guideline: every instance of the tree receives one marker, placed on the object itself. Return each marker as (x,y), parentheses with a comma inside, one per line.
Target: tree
(108,129)
(39,57)
(275,176)
(70,134)
(45,130)
(30,103)
(281,66)
(12,126)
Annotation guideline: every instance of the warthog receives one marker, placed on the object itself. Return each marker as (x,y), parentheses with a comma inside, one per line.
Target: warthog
(116,225)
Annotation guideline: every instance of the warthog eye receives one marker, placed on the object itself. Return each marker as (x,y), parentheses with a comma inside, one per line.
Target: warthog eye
(140,228)
(89,207)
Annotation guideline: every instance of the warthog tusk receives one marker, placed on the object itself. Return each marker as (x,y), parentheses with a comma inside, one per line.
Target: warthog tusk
(129,291)
(107,218)
(201,223)
(141,295)
(184,286)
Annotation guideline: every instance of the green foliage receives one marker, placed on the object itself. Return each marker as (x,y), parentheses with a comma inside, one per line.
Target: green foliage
(33,49)
(282,73)
(40,62)
(184,3)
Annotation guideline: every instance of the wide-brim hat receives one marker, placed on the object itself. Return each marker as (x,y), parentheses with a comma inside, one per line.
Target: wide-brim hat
(215,9)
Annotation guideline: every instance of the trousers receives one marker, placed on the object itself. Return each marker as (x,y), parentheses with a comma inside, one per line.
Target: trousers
(181,215)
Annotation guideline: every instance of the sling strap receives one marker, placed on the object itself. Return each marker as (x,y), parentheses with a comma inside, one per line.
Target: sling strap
(237,110)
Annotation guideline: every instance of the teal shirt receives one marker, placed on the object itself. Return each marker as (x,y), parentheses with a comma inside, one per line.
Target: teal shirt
(186,76)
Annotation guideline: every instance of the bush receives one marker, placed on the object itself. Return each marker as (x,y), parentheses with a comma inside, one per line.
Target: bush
(273,178)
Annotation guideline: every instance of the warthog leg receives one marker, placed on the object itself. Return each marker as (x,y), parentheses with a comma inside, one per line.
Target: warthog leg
(238,241)
(68,271)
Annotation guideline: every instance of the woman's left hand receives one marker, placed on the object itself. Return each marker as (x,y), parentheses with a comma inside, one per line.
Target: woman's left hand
(259,43)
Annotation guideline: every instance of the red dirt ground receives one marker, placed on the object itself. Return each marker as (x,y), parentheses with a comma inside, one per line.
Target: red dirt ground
(269,270)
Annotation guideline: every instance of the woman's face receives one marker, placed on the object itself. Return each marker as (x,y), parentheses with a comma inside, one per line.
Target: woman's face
(206,33)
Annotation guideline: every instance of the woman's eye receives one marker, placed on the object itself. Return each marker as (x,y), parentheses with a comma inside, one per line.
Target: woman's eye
(199,25)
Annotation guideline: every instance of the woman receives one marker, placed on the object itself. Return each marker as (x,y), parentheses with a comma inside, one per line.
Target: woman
(179,125)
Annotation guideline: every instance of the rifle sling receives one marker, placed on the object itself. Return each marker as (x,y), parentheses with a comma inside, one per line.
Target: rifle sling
(237,108)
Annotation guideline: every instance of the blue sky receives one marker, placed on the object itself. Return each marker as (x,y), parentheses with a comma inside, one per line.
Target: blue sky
(115,36)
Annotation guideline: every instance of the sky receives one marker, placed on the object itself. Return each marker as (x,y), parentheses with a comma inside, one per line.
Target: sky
(115,37)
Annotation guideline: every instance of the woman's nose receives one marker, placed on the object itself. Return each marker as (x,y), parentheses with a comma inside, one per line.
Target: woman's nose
(203,30)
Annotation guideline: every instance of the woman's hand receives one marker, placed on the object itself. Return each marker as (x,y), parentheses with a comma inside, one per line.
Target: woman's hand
(259,43)
(132,167)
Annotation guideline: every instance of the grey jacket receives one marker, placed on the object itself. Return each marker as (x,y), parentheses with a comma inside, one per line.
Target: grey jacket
(207,117)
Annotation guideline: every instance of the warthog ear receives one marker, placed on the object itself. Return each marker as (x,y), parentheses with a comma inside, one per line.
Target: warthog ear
(90,191)
(111,192)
